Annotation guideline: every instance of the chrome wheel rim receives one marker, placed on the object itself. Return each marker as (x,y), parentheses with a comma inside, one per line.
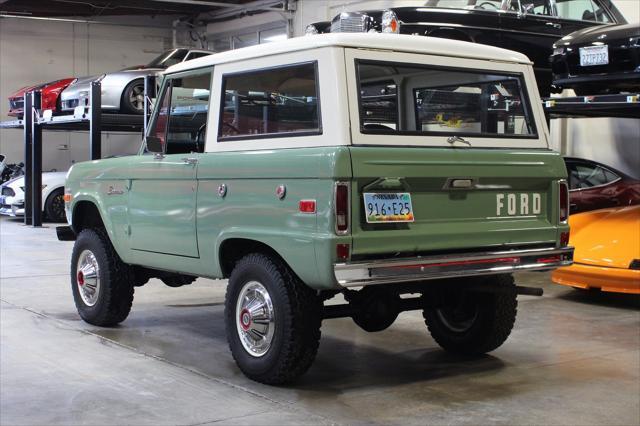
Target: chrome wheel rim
(136,97)
(88,277)
(255,320)
(58,206)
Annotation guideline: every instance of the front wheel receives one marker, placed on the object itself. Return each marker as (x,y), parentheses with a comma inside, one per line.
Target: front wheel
(272,320)
(54,206)
(473,322)
(133,98)
(101,283)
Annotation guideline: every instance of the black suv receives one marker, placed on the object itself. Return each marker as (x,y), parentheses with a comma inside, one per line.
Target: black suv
(527,26)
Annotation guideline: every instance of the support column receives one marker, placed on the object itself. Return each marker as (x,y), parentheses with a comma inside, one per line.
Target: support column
(28,164)
(95,121)
(36,158)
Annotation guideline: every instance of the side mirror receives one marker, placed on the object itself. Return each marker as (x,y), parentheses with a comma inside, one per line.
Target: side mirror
(154,144)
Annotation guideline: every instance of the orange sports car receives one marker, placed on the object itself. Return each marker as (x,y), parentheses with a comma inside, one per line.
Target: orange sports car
(607,251)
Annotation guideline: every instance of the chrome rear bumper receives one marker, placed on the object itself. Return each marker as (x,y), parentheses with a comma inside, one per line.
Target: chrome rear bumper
(386,271)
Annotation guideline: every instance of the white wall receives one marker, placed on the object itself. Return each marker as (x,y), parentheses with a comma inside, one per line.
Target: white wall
(33,51)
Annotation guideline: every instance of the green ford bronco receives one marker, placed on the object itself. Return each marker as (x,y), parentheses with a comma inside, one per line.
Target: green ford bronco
(400,172)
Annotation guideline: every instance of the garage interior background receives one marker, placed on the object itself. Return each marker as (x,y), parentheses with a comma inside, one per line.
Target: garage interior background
(43,50)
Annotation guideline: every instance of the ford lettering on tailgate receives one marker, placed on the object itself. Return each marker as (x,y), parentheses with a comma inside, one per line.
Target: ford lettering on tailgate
(522,204)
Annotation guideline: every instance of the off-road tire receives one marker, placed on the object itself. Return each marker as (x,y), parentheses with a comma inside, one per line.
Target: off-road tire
(115,294)
(297,319)
(54,206)
(496,315)
(126,106)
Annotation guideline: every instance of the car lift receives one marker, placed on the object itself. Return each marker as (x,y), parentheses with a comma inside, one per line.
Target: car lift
(84,118)
(616,105)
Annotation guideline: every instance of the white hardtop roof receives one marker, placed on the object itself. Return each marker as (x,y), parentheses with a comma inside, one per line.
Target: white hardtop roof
(392,42)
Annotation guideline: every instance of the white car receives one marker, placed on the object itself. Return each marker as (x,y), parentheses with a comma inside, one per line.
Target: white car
(12,196)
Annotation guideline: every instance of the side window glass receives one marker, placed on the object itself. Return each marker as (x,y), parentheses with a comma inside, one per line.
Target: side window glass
(159,124)
(581,10)
(587,176)
(188,112)
(281,101)
(536,7)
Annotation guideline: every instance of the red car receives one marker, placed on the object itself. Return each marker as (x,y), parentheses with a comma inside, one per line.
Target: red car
(50,94)
(593,186)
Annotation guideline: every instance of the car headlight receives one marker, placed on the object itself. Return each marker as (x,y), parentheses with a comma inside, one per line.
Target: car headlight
(558,51)
(311,30)
(390,22)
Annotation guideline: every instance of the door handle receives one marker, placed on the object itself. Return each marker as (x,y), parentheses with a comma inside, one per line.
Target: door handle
(554,25)
(190,161)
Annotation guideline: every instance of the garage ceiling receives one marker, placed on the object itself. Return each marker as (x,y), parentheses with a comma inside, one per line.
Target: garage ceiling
(85,8)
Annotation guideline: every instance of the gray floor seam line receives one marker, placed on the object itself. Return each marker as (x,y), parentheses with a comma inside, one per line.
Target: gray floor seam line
(208,422)
(33,276)
(157,358)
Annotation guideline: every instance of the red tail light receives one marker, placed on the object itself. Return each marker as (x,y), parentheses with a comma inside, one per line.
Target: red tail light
(563,193)
(342,207)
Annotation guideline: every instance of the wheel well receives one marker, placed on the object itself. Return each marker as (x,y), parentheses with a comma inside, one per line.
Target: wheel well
(135,80)
(86,215)
(450,33)
(51,194)
(234,249)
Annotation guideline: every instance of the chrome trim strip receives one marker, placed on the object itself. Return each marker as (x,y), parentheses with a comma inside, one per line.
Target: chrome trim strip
(381,271)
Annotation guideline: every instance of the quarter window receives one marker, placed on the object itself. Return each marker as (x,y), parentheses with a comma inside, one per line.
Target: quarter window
(180,123)
(280,101)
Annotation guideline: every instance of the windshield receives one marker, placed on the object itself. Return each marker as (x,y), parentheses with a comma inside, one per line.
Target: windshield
(412,99)
(168,58)
(494,5)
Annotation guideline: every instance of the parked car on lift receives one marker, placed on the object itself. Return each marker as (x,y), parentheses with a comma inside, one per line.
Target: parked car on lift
(593,186)
(527,26)
(607,256)
(123,90)
(50,96)
(12,196)
(598,60)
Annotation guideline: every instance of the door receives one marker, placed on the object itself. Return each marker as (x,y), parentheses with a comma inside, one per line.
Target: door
(162,196)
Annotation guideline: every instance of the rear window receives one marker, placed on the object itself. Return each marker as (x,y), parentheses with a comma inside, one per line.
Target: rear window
(273,102)
(412,99)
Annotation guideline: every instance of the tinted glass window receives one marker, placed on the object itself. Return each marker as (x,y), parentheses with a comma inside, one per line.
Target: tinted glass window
(169,58)
(194,55)
(583,10)
(536,7)
(270,102)
(494,5)
(181,120)
(415,99)
(584,175)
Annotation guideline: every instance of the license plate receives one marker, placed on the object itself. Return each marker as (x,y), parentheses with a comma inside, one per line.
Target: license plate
(594,55)
(388,207)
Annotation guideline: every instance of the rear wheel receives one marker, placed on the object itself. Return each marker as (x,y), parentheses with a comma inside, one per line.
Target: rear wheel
(272,320)
(101,283)
(54,206)
(474,323)
(133,98)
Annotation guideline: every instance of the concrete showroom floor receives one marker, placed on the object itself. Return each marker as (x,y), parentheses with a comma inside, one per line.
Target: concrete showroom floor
(572,359)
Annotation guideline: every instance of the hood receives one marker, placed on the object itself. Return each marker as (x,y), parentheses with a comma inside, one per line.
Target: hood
(607,237)
(20,92)
(600,33)
(48,178)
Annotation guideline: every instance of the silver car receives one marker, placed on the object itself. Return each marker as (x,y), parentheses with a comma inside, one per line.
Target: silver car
(123,90)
